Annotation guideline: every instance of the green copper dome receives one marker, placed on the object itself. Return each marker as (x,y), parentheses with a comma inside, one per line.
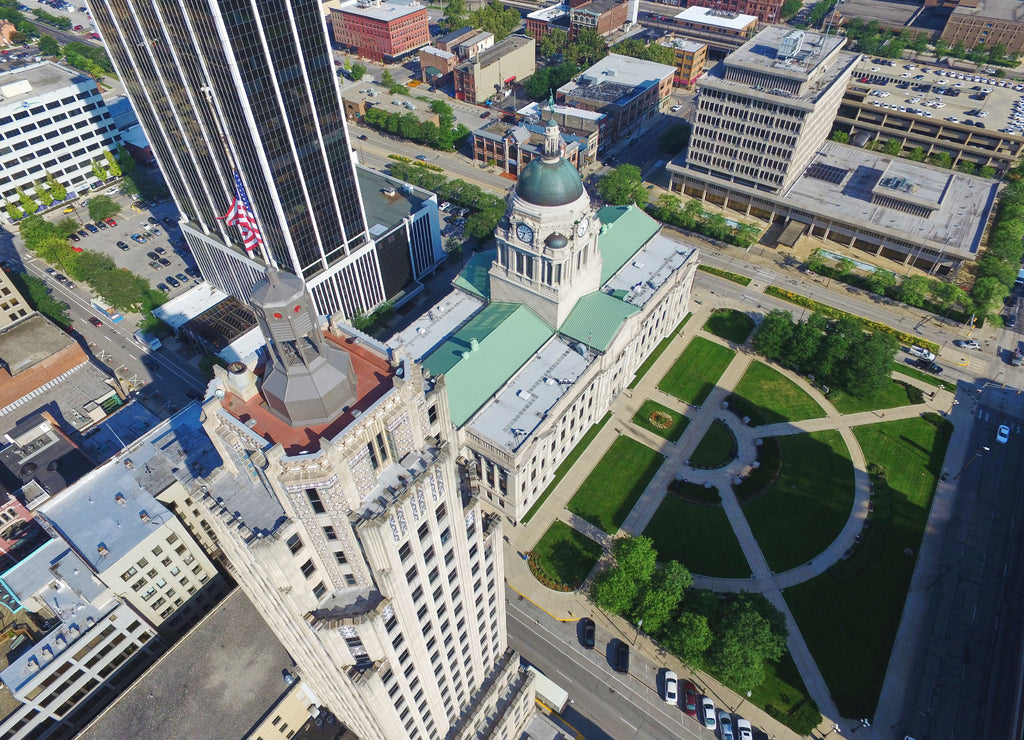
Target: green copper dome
(545,183)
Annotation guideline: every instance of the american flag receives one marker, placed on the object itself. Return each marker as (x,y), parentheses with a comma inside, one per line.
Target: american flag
(240,215)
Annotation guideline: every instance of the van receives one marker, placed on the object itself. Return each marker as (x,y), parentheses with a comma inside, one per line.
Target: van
(921,352)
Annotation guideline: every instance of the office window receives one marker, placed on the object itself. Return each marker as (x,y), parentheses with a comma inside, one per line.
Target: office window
(308,568)
(294,544)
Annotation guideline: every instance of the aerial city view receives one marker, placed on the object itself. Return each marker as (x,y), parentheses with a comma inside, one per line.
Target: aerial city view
(605,370)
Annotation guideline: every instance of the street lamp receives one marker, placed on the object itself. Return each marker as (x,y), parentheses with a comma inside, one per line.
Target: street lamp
(981,449)
(835,728)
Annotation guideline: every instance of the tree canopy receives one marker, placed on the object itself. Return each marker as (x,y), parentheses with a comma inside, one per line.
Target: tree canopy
(623,186)
(455,16)
(496,18)
(634,47)
(103,207)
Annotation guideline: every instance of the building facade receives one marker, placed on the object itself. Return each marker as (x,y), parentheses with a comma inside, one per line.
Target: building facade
(766,11)
(512,146)
(492,71)
(540,22)
(585,125)
(719,29)
(691,58)
(258,97)
(602,16)
(436,65)
(381,30)
(626,90)
(12,305)
(52,122)
(988,22)
(342,517)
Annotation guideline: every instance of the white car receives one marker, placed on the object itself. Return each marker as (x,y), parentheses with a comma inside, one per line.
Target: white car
(725,725)
(1003,434)
(967,343)
(671,688)
(707,710)
(676,108)
(743,729)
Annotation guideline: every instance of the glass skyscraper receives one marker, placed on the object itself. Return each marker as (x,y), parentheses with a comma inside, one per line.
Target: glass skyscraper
(220,85)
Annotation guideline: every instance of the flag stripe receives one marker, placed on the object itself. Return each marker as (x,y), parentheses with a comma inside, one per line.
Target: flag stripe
(240,215)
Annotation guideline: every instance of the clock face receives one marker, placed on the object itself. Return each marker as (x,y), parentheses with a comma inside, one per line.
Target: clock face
(582,226)
(525,233)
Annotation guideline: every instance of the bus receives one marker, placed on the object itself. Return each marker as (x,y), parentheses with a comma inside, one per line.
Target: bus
(105,309)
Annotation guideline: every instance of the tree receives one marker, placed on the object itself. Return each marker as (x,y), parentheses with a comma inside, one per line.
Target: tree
(881,281)
(452,246)
(13,212)
(98,172)
(987,171)
(617,588)
(357,71)
(497,19)
(67,226)
(942,159)
(623,186)
(804,341)
(103,207)
(948,294)
(845,266)
(634,47)
(893,147)
(744,642)
(27,204)
(455,16)
(790,8)
(58,191)
(715,226)
(126,161)
(552,42)
(48,46)
(658,603)
(917,154)
(841,136)
(689,637)
(44,197)
(774,333)
(967,166)
(587,48)
(988,294)
(112,166)
(913,290)
(387,79)
(867,366)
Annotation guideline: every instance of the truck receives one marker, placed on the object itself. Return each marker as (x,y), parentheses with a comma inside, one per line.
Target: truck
(105,309)
(550,695)
(147,340)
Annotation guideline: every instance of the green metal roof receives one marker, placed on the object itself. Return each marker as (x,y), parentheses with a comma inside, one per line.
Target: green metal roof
(549,183)
(474,278)
(507,335)
(595,319)
(624,229)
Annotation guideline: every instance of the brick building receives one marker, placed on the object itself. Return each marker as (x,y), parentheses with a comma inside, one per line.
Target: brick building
(988,22)
(512,146)
(603,16)
(436,65)
(720,30)
(540,22)
(381,31)
(766,11)
(691,57)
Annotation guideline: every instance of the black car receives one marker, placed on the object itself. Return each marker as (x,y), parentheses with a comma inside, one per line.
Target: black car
(162,288)
(928,366)
(621,657)
(153,255)
(363,137)
(171,281)
(160,250)
(123,247)
(1011,319)
(83,232)
(164,262)
(192,271)
(152,220)
(91,228)
(75,237)
(587,632)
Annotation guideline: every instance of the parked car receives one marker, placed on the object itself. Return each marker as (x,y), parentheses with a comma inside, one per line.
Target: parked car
(91,228)
(60,278)
(153,255)
(928,366)
(689,698)
(967,343)
(921,352)
(182,277)
(164,261)
(725,725)
(171,281)
(363,137)
(83,232)
(743,729)
(94,321)
(152,220)
(1011,319)
(707,711)
(676,108)
(99,225)
(163,288)
(1003,434)
(671,688)
(168,220)
(160,250)
(75,237)
(76,249)
(110,222)
(621,657)
(587,632)
(193,272)
(138,238)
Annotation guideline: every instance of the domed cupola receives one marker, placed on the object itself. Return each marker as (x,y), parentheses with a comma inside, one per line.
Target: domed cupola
(556,241)
(550,180)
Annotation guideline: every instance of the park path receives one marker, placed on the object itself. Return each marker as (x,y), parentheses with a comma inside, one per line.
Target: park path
(762,580)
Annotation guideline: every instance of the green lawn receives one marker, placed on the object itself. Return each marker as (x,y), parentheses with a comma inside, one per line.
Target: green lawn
(699,537)
(615,484)
(810,501)
(694,375)
(658,351)
(729,324)
(716,450)
(850,623)
(771,397)
(675,428)
(891,395)
(567,463)
(913,372)
(782,689)
(564,555)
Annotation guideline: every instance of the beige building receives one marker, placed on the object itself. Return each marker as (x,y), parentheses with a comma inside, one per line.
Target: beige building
(691,58)
(988,22)
(343,519)
(12,305)
(492,71)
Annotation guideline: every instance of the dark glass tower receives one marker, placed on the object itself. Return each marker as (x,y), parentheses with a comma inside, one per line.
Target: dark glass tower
(223,84)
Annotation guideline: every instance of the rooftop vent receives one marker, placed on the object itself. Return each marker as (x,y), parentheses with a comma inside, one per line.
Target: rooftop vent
(790,45)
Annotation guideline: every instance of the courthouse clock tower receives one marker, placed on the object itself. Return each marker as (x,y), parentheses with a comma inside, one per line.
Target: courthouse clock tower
(547,244)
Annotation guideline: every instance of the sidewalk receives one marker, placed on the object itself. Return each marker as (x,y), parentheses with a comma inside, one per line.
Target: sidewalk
(570,606)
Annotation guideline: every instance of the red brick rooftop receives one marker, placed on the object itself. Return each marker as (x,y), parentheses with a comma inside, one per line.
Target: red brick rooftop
(374,378)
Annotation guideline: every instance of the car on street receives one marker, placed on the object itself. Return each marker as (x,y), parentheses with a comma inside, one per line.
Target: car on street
(110,222)
(689,698)
(162,288)
(725,725)
(171,281)
(60,278)
(91,228)
(1011,319)
(138,238)
(621,657)
(153,255)
(676,108)
(1003,434)
(928,366)
(967,343)
(671,688)
(707,711)
(587,632)
(485,114)
(421,157)
(743,729)
(921,352)
(94,321)
(51,271)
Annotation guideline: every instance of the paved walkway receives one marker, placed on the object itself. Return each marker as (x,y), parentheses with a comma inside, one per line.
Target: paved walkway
(570,606)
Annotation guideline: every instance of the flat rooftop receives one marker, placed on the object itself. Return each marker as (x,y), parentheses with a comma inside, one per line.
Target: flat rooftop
(68,400)
(955,226)
(217,682)
(921,89)
(490,56)
(422,336)
(384,212)
(102,512)
(549,13)
(682,44)
(385,12)
(816,57)
(374,378)
(1004,10)
(109,436)
(720,18)
(28,83)
(627,71)
(184,307)
(46,457)
(434,51)
(540,110)
(29,342)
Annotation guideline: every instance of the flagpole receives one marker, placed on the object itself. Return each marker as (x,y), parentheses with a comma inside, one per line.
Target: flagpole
(208,94)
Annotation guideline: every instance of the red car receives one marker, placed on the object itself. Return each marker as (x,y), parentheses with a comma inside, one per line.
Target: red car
(690,698)
(76,249)
(110,222)
(94,321)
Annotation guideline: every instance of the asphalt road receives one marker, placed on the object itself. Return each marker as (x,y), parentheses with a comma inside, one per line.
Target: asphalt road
(967,682)
(605,704)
